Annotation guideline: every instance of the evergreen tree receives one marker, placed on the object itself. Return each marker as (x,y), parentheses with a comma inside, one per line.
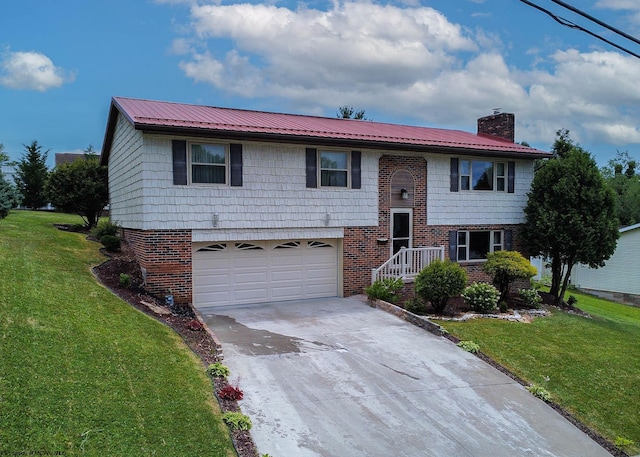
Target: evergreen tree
(9,197)
(31,176)
(570,214)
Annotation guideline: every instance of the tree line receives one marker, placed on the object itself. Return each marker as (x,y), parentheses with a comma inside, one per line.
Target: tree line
(79,187)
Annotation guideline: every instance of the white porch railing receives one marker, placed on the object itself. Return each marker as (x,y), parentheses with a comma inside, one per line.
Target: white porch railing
(407,263)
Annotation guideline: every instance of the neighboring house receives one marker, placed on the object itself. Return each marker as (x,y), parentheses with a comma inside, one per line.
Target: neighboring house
(619,279)
(9,173)
(227,206)
(68,157)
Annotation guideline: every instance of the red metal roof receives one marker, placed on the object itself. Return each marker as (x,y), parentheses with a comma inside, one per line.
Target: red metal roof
(148,115)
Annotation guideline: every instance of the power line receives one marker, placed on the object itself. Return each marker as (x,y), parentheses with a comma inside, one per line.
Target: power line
(596,20)
(567,23)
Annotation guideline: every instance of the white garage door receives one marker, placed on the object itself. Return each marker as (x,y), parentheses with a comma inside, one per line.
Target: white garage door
(232,273)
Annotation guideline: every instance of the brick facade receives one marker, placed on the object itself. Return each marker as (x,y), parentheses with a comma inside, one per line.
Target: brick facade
(365,248)
(165,260)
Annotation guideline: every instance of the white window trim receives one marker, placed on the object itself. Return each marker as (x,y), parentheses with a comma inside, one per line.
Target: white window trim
(492,245)
(348,169)
(227,168)
(495,175)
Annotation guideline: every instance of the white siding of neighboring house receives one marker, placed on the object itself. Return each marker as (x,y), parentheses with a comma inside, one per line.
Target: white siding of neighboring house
(474,207)
(273,201)
(621,272)
(125,175)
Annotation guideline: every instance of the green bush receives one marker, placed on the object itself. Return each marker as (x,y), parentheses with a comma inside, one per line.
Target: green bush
(469,346)
(237,421)
(218,370)
(385,289)
(531,297)
(505,267)
(539,392)
(110,242)
(482,297)
(440,281)
(125,280)
(105,228)
(415,306)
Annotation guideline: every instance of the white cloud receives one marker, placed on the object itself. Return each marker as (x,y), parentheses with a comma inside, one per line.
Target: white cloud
(31,71)
(408,62)
(618,5)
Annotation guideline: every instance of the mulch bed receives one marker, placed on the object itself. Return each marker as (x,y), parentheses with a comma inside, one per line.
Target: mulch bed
(181,318)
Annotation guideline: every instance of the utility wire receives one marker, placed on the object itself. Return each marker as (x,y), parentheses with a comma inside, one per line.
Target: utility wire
(568,23)
(596,20)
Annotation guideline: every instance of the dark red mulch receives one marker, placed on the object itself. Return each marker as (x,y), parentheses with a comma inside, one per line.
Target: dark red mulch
(182,320)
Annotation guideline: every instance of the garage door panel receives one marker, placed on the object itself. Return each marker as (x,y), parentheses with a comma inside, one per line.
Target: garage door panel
(254,272)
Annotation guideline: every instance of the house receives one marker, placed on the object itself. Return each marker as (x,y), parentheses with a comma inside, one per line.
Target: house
(619,279)
(227,206)
(68,157)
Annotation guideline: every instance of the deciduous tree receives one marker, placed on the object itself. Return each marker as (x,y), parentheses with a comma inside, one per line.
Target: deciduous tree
(570,213)
(80,187)
(348,112)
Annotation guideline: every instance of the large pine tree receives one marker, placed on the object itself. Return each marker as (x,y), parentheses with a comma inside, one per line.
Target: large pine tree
(31,175)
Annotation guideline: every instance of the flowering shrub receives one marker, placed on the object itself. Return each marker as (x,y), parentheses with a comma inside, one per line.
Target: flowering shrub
(482,297)
(531,297)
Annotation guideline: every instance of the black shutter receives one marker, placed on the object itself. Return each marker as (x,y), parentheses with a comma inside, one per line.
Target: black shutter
(454,175)
(235,156)
(179,148)
(508,240)
(511,177)
(355,169)
(312,167)
(453,245)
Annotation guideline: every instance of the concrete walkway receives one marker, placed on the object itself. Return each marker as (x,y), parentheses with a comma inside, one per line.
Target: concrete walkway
(335,377)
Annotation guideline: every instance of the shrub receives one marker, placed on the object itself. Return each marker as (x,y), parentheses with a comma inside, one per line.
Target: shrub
(195,325)
(230,392)
(572,300)
(503,306)
(125,280)
(105,228)
(469,346)
(415,306)
(505,267)
(218,370)
(110,242)
(440,281)
(385,289)
(237,421)
(531,297)
(482,297)
(539,392)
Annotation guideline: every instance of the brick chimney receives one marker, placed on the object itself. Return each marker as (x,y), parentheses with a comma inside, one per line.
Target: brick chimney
(501,125)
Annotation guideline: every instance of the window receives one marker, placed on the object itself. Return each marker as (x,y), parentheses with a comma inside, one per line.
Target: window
(475,245)
(480,175)
(208,163)
(334,169)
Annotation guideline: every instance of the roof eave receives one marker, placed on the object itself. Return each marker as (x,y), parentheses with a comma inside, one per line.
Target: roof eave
(336,142)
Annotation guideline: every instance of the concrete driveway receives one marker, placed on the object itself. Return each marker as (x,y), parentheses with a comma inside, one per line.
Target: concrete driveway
(335,377)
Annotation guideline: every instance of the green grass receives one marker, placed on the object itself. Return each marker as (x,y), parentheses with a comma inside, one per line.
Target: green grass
(590,366)
(84,373)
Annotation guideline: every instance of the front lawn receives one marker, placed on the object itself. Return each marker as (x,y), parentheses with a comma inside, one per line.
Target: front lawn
(591,367)
(84,373)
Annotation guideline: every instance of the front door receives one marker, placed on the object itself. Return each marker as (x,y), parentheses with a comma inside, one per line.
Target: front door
(401,224)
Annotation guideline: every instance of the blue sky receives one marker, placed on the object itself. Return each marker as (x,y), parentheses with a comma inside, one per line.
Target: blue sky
(441,63)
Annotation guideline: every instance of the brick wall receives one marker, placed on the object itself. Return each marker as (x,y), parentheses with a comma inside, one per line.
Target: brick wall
(363,251)
(165,259)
